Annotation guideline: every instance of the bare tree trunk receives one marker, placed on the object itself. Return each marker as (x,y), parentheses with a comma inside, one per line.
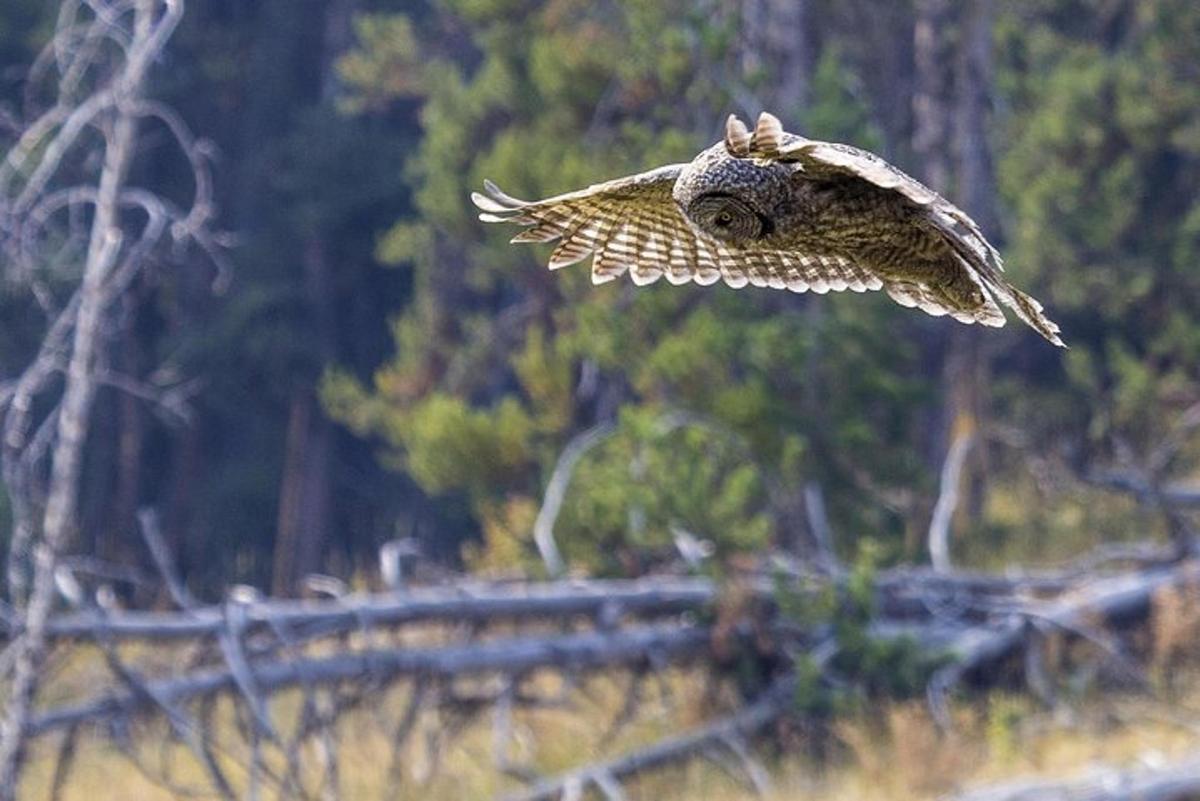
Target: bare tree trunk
(967,368)
(931,143)
(178,505)
(776,59)
(786,38)
(60,521)
(977,178)
(305,495)
(939,113)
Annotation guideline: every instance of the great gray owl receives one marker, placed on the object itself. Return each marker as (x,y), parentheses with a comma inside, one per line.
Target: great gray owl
(772,209)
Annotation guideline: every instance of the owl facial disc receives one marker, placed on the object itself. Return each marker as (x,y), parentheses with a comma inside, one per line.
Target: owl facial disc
(727,218)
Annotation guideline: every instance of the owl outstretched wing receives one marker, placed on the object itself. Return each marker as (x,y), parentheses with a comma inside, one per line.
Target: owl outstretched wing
(633,225)
(820,160)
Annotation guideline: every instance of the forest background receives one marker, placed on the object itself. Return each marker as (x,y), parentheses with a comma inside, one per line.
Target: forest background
(353,362)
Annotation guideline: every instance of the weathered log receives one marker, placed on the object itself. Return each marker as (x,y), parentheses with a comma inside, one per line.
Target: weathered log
(508,656)
(903,592)
(1112,599)
(1172,783)
(464,603)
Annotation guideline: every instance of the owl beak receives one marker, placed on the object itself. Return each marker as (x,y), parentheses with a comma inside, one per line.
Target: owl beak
(737,137)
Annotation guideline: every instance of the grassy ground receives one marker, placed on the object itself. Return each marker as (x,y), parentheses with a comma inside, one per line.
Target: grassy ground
(895,754)
(893,751)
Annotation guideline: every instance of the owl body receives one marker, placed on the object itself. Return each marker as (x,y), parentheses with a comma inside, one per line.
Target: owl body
(848,218)
(796,213)
(774,209)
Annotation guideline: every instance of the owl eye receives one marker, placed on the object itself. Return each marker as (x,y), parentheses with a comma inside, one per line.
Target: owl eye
(725,217)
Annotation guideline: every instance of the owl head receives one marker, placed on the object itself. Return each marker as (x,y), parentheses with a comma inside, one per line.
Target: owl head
(731,190)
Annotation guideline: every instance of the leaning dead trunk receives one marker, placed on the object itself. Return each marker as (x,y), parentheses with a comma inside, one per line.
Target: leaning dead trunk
(37,188)
(60,521)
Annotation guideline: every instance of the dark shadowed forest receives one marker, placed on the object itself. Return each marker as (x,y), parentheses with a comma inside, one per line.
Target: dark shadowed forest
(309,371)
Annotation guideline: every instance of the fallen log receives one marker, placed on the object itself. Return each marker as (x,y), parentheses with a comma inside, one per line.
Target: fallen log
(1177,782)
(465,603)
(1112,599)
(903,591)
(509,656)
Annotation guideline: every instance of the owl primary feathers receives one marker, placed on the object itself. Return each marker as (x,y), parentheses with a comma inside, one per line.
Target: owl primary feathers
(773,209)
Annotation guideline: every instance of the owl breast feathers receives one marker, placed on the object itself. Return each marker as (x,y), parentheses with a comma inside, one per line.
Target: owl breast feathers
(772,209)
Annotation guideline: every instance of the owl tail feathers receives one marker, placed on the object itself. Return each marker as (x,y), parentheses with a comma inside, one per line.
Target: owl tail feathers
(1024,306)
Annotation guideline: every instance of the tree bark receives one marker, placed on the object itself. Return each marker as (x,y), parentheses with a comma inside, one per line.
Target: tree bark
(305,494)
(586,651)
(967,367)
(950,114)
(60,521)
(931,143)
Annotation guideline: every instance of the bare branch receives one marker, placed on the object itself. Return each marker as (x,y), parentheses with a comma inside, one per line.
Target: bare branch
(947,502)
(1114,598)
(466,602)
(556,490)
(755,717)
(47,144)
(578,652)
(1176,782)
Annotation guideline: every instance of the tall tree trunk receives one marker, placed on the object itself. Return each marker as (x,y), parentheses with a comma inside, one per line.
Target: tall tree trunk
(305,494)
(188,460)
(967,365)
(887,69)
(933,59)
(948,123)
(60,522)
(786,39)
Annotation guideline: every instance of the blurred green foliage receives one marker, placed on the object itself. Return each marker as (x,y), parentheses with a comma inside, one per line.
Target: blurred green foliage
(868,665)
(499,363)
(463,368)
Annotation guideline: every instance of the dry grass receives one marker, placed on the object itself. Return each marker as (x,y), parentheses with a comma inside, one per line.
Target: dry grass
(894,753)
(897,754)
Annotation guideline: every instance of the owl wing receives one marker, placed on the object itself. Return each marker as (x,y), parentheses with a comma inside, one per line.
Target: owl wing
(633,225)
(824,159)
(981,259)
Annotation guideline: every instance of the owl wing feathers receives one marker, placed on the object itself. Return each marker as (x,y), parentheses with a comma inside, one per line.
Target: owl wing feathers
(633,225)
(954,225)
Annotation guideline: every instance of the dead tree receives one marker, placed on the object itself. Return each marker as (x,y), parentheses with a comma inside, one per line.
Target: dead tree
(460,652)
(70,217)
(1175,782)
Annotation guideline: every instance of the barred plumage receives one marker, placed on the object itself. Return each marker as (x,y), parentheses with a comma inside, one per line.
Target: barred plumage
(767,208)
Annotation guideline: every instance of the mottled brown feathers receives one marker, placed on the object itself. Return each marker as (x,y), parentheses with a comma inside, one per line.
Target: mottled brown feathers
(831,217)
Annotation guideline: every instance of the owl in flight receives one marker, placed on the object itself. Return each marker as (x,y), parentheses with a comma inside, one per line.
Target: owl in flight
(774,209)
